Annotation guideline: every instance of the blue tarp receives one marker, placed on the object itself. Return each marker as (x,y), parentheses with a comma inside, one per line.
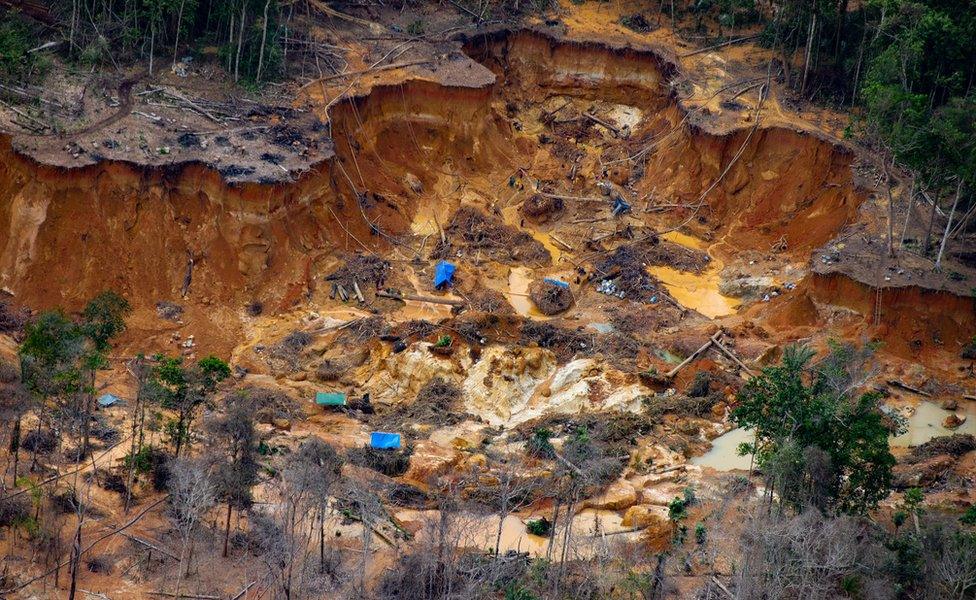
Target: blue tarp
(443,274)
(330,398)
(106,400)
(384,441)
(620,206)
(556,282)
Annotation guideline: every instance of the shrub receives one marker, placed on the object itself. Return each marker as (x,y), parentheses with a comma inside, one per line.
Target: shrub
(99,564)
(517,592)
(541,527)
(677,510)
(16,39)
(14,510)
(391,463)
(700,387)
(416,27)
(539,445)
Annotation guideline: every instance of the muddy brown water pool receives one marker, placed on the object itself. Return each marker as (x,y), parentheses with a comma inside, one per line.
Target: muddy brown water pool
(924,423)
(697,291)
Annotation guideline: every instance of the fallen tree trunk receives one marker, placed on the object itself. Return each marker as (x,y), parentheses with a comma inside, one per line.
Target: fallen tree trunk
(150,545)
(905,386)
(688,360)
(430,299)
(730,354)
(722,45)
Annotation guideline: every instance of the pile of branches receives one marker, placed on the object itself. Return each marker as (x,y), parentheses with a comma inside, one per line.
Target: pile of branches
(474,230)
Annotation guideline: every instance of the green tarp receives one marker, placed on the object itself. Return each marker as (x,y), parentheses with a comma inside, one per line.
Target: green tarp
(330,398)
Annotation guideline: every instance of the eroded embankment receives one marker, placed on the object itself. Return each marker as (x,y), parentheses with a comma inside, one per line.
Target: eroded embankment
(69,233)
(915,322)
(773,181)
(412,148)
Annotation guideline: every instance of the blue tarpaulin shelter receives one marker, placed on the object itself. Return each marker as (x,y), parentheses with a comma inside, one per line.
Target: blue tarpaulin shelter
(384,441)
(443,274)
(330,398)
(106,400)
(556,282)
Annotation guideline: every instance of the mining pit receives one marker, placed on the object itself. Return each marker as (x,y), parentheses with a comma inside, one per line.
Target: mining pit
(605,219)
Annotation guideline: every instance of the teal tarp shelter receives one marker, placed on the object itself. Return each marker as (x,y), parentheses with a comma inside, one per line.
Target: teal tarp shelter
(330,398)
(106,400)
(384,441)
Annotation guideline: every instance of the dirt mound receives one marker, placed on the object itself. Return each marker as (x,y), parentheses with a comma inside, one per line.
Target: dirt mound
(640,324)
(487,300)
(658,252)
(542,209)
(565,343)
(331,370)
(437,404)
(550,298)
(361,268)
(627,269)
(363,330)
(439,394)
(271,404)
(473,230)
(286,354)
(619,349)
(391,463)
(953,445)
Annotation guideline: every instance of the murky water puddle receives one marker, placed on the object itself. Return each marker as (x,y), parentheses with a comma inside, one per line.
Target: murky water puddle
(510,216)
(697,291)
(724,455)
(519,279)
(926,423)
(923,425)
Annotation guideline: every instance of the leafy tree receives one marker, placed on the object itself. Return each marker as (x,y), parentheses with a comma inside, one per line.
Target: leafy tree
(816,442)
(16,38)
(104,318)
(186,388)
(59,357)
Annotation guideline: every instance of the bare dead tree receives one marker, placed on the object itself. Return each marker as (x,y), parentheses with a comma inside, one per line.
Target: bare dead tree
(192,494)
(945,236)
(803,556)
(309,479)
(15,403)
(954,571)
(233,448)
(367,509)
(515,489)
